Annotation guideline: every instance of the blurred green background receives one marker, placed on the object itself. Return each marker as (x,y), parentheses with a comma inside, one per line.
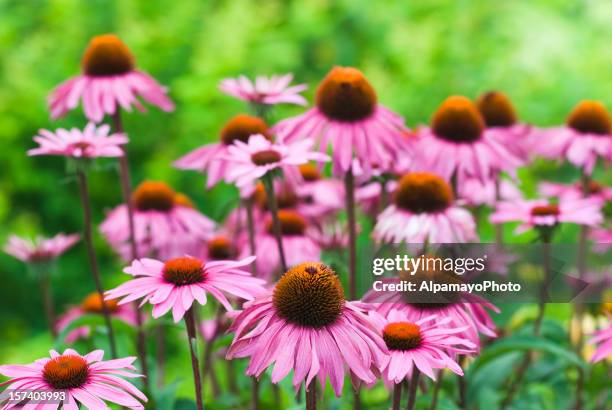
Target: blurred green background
(546,55)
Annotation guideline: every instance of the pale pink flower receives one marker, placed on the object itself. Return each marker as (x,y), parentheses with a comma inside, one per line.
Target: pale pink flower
(319,197)
(109,81)
(502,123)
(40,249)
(92,304)
(92,142)
(586,137)
(425,344)
(603,339)
(265,90)
(252,160)
(87,381)
(177,283)
(298,246)
(543,213)
(307,326)
(370,195)
(576,190)
(165,222)
(423,210)
(211,158)
(458,144)
(330,236)
(477,192)
(348,118)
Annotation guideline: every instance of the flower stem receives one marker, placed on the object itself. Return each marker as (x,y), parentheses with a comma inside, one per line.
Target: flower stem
(526,362)
(126,191)
(208,369)
(349,186)
(254,393)
(91,254)
(195,365)
(436,391)
(273,205)
(311,395)
(414,383)
(397,396)
(499,228)
(251,231)
(49,306)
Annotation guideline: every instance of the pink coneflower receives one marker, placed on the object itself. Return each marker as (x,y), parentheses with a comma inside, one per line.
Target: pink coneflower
(347,116)
(603,339)
(86,380)
(177,283)
(298,246)
(459,145)
(307,326)
(163,221)
(330,236)
(424,345)
(92,142)
(602,238)
(502,123)
(109,79)
(464,309)
(210,158)
(319,197)
(423,211)
(575,191)
(92,304)
(40,249)
(264,90)
(476,192)
(258,156)
(544,214)
(586,137)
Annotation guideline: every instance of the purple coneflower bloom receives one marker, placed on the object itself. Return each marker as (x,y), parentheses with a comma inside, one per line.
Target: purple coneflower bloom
(422,211)
(603,339)
(40,249)
(307,326)
(86,380)
(109,80)
(347,116)
(92,142)
(265,90)
(177,283)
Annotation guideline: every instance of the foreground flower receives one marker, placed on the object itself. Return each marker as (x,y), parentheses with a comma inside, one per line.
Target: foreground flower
(586,137)
(165,222)
(423,211)
(86,380)
(603,339)
(211,158)
(543,213)
(297,244)
(92,304)
(307,326)
(252,160)
(576,191)
(265,90)
(92,142)
(40,249)
(502,123)
(347,116)
(459,145)
(177,283)
(109,80)
(425,344)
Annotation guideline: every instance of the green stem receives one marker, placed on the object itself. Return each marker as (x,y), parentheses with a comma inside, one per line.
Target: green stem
(192,336)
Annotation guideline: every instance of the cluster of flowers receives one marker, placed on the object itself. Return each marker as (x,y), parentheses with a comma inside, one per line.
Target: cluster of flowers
(415,184)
